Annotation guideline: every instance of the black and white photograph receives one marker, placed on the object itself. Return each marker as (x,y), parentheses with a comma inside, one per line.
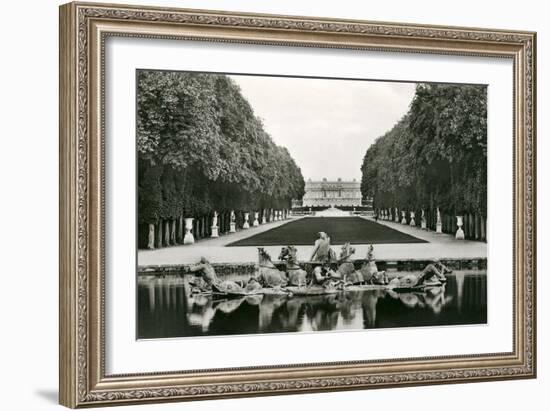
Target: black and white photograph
(280,204)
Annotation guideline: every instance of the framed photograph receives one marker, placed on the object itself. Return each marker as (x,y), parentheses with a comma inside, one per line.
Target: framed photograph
(259,204)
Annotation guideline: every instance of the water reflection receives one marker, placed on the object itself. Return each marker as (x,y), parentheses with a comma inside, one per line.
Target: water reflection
(167,309)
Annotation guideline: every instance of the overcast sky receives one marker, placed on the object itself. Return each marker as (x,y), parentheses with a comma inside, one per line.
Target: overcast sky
(327,125)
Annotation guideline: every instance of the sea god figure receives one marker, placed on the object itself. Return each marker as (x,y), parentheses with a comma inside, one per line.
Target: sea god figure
(205,271)
(211,282)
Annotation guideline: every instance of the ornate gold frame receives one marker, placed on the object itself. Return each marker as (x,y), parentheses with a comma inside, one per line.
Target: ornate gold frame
(83,30)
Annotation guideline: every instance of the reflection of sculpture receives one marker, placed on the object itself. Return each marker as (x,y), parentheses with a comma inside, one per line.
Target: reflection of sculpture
(296,276)
(323,312)
(268,306)
(433,298)
(369,303)
(291,317)
(350,304)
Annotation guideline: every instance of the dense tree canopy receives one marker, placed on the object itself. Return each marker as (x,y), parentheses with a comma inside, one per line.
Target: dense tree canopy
(435,156)
(201,148)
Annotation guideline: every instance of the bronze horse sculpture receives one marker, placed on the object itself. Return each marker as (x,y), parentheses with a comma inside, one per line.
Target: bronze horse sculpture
(269,275)
(346,269)
(296,275)
(368,274)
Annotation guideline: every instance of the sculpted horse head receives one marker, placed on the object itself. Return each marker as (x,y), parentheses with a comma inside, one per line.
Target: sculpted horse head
(346,251)
(288,253)
(370,253)
(296,275)
(264,258)
(346,269)
(268,274)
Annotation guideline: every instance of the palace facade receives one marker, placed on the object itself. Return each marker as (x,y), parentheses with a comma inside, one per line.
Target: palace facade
(332,193)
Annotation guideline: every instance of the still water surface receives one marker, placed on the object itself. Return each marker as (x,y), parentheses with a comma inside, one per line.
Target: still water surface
(165,309)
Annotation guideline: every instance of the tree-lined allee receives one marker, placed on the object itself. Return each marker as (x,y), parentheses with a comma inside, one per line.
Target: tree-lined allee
(202,149)
(435,156)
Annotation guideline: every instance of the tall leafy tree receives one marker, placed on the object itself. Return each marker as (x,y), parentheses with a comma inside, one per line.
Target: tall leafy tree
(201,148)
(436,155)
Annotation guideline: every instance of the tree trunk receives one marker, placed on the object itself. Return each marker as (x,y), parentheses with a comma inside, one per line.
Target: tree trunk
(180,229)
(167,232)
(151,237)
(159,234)
(198,231)
(173,232)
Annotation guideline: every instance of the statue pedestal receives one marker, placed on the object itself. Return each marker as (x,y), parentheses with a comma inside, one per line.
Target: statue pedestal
(188,238)
(214,232)
(232,228)
(412,222)
(403,218)
(256,223)
(246,224)
(215,225)
(264,219)
(459,232)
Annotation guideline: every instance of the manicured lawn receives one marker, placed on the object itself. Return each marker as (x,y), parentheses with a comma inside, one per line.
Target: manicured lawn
(340,230)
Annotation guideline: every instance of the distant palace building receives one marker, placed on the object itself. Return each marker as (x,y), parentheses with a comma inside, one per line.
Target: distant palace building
(332,193)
